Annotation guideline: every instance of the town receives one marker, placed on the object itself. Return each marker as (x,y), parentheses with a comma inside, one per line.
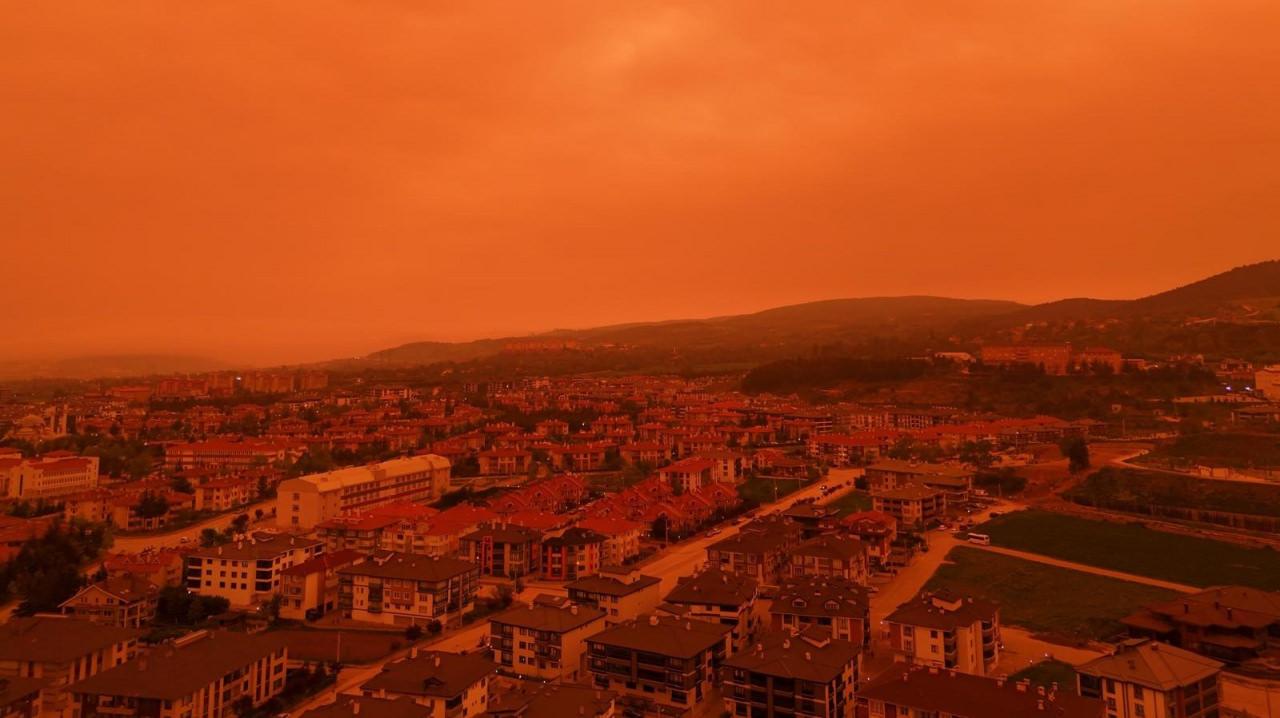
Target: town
(315,543)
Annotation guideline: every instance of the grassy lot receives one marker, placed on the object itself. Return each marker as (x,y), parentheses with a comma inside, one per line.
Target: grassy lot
(1118,487)
(308,644)
(1135,549)
(761,490)
(851,503)
(1046,673)
(1234,450)
(1058,602)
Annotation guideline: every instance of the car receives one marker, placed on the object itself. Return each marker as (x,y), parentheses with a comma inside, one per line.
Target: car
(713,532)
(994,514)
(185,539)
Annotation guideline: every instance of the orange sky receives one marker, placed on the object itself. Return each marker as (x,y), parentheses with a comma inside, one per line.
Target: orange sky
(283,181)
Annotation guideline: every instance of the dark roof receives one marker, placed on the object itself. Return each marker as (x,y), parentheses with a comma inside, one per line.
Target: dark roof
(352,706)
(812,656)
(510,534)
(529,699)
(611,586)
(679,638)
(182,668)
(845,548)
(549,618)
(714,586)
(391,564)
(950,692)
(16,688)
(324,562)
(943,610)
(56,639)
(432,673)
(575,537)
(259,545)
(821,596)
(126,588)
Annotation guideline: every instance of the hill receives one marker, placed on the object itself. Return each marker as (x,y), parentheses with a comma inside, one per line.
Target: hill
(108,366)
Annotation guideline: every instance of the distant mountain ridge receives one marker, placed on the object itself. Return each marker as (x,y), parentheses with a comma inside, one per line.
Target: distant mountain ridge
(836,320)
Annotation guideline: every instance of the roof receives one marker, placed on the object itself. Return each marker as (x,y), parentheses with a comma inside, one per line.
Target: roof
(1222,606)
(510,534)
(845,548)
(352,706)
(544,617)
(609,586)
(432,673)
(898,466)
(392,564)
(324,562)
(821,596)
(17,688)
(961,694)
(122,588)
(356,475)
(714,586)
(665,636)
(529,699)
(179,669)
(943,610)
(811,656)
(574,537)
(910,492)
(1153,665)
(57,639)
(259,545)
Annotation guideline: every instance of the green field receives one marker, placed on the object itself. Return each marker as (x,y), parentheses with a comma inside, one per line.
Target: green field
(1235,450)
(1056,602)
(761,490)
(1112,487)
(851,503)
(1133,548)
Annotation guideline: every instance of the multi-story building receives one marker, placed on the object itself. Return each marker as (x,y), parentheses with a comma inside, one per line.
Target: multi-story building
(574,554)
(248,571)
(719,597)
(687,475)
(659,664)
(622,538)
(310,589)
(126,602)
(227,454)
(512,552)
(1054,358)
(20,697)
(890,474)
(449,685)
(947,631)
(543,641)
(61,651)
(759,550)
(1231,623)
(225,494)
(913,506)
(837,604)
(1266,381)
(306,501)
(48,477)
(407,589)
(622,595)
(909,692)
(830,555)
(785,675)
(206,674)
(1147,679)
(877,531)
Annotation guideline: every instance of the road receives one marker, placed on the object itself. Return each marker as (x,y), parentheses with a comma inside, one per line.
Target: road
(173,539)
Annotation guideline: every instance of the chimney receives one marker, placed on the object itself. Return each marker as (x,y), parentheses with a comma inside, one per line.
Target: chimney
(573,609)
(355,708)
(142,663)
(653,620)
(436,662)
(1039,705)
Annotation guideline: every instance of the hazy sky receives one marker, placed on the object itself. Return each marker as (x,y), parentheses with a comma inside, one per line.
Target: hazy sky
(278,181)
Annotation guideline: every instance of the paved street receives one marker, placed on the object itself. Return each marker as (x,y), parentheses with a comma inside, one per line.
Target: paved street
(171,539)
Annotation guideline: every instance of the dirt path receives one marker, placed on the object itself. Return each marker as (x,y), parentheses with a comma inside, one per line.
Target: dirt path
(1085,568)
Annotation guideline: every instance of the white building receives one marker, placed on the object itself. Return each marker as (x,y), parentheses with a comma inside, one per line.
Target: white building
(47,477)
(1267,381)
(308,500)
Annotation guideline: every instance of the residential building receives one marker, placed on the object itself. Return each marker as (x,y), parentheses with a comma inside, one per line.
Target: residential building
(658,664)
(225,494)
(758,550)
(306,501)
(785,675)
(889,474)
(126,602)
(511,552)
(61,651)
(247,571)
(203,674)
(544,641)
(227,454)
(406,589)
(1266,381)
(1055,359)
(449,685)
(916,691)
(877,531)
(310,589)
(836,604)
(687,475)
(348,706)
(720,597)
(572,555)
(621,538)
(1230,623)
(913,506)
(948,631)
(1148,679)
(624,595)
(831,555)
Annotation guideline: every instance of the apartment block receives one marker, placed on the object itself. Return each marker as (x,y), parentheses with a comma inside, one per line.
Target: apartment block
(544,641)
(947,631)
(306,501)
(406,589)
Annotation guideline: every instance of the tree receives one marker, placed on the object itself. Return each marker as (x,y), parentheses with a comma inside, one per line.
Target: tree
(240,523)
(435,627)
(413,633)
(660,528)
(182,485)
(1076,449)
(977,454)
(152,505)
(210,537)
(265,489)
